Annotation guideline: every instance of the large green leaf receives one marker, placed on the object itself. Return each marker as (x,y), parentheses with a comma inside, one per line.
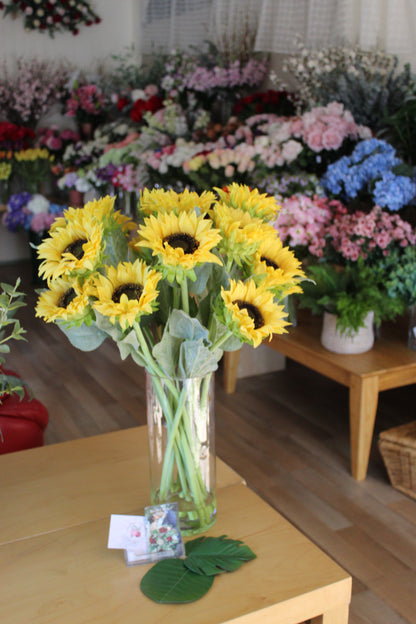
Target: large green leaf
(83,337)
(214,555)
(169,581)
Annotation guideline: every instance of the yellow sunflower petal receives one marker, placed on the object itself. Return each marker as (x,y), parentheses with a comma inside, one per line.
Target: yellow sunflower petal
(65,300)
(180,241)
(252,312)
(126,292)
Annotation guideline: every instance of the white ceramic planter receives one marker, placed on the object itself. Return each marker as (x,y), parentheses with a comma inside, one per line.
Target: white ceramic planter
(337,342)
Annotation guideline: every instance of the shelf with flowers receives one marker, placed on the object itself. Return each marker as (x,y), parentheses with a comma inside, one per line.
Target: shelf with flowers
(34,214)
(350,271)
(201,273)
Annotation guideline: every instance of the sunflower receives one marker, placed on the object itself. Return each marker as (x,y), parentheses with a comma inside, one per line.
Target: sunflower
(250,312)
(77,247)
(126,292)
(241,233)
(103,211)
(159,200)
(100,210)
(260,205)
(65,300)
(180,242)
(279,266)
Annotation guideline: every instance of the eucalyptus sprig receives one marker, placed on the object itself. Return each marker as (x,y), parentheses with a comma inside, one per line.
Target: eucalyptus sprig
(10,329)
(185,580)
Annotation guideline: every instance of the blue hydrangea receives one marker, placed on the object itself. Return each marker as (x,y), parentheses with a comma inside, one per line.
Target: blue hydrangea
(394,191)
(370,162)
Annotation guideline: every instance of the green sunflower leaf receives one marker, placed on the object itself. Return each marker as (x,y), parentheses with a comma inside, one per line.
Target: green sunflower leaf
(169,581)
(214,555)
(83,337)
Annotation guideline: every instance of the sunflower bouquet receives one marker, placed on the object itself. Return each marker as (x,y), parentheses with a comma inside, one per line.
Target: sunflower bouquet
(196,275)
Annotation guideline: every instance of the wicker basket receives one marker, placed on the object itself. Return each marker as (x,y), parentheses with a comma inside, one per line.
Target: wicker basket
(398,449)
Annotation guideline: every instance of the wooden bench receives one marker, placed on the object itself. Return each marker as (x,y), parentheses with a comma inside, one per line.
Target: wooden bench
(389,364)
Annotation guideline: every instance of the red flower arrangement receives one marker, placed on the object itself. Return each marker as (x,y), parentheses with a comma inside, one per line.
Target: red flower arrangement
(52,16)
(140,106)
(271,101)
(14,137)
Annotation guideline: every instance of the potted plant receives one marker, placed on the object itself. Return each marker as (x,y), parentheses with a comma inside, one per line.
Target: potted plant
(23,418)
(400,269)
(349,281)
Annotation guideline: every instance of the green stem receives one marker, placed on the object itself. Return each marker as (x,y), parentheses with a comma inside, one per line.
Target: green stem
(185,296)
(221,340)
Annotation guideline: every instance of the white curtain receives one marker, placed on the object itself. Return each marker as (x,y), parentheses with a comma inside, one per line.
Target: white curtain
(387,24)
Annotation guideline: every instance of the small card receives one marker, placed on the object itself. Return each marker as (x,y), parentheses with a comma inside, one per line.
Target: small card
(147,538)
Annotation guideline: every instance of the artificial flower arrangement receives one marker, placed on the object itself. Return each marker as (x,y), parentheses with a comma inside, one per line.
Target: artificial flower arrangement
(31,212)
(200,274)
(52,16)
(350,276)
(372,172)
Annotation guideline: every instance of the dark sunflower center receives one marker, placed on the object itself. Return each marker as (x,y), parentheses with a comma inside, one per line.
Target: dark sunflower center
(269,262)
(75,248)
(253,312)
(185,241)
(132,291)
(65,299)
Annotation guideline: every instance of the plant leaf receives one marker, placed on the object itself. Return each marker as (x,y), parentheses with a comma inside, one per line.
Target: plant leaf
(169,581)
(214,555)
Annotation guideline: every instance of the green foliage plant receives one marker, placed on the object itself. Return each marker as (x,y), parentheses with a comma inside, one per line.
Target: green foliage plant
(350,293)
(400,269)
(10,329)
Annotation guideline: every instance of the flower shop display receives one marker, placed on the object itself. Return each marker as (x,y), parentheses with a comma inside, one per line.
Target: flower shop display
(303,221)
(371,173)
(34,214)
(14,137)
(33,167)
(30,88)
(201,273)
(367,82)
(350,280)
(52,16)
(86,102)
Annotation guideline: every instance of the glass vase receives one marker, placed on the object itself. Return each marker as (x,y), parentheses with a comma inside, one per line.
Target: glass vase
(411,335)
(181,429)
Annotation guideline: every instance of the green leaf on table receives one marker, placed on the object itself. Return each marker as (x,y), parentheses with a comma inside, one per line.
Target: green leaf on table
(214,555)
(169,581)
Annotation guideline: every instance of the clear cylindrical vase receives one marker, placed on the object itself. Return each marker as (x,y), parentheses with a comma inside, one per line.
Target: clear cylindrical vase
(181,429)
(411,334)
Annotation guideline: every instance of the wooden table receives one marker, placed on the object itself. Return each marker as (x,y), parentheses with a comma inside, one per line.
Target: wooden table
(389,364)
(55,507)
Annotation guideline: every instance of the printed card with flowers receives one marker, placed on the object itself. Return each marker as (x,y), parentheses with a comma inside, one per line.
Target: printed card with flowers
(148,538)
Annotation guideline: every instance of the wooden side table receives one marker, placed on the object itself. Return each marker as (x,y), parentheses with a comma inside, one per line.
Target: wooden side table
(389,364)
